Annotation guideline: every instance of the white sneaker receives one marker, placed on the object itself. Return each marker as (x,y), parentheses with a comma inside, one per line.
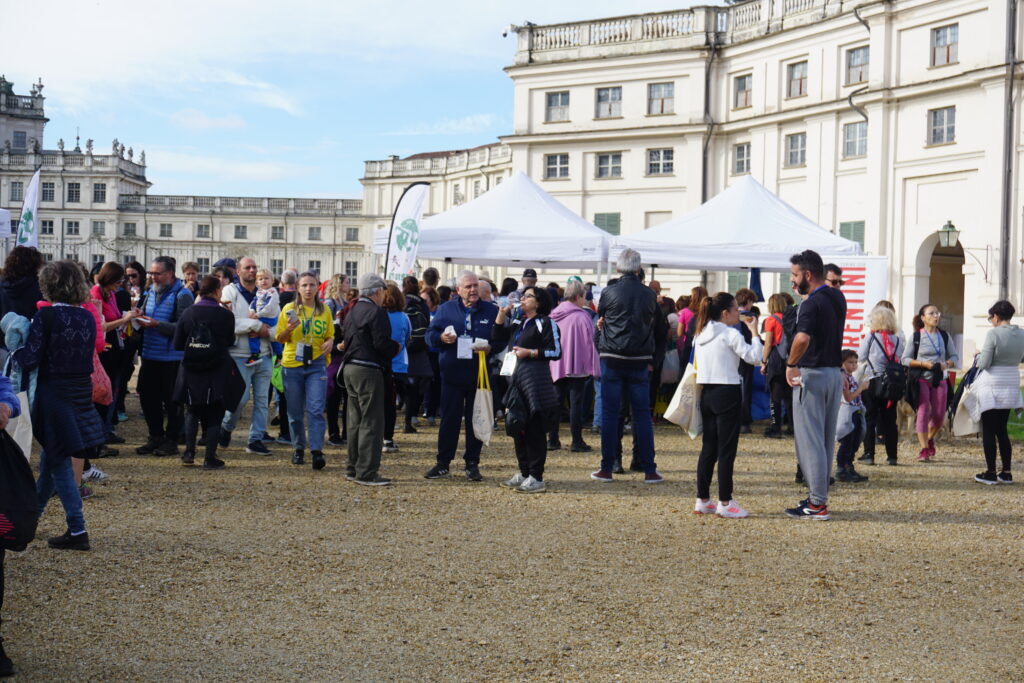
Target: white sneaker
(94,474)
(531,485)
(389,447)
(514,483)
(730,510)
(702,508)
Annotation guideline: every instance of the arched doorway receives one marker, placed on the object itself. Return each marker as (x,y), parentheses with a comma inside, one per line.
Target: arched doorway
(946,289)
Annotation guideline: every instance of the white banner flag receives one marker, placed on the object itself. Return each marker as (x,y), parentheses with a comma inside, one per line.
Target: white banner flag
(28,228)
(405,233)
(5,223)
(865,283)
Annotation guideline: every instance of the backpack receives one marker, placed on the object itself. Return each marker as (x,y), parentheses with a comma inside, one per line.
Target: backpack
(202,349)
(789,317)
(891,385)
(419,324)
(912,377)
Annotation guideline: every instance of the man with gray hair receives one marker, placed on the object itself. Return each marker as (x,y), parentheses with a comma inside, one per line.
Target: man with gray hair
(369,349)
(632,334)
(460,328)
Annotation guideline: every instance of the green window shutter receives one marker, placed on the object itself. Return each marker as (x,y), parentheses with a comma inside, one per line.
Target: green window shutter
(609,222)
(854,231)
(738,279)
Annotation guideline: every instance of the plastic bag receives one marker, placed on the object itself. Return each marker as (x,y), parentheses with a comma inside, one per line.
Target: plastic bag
(670,367)
(19,512)
(20,428)
(483,404)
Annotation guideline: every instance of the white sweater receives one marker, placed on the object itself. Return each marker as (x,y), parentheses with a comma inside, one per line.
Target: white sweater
(243,323)
(718,350)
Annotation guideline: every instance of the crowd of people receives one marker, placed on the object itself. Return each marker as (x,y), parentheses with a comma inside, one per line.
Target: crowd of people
(336,365)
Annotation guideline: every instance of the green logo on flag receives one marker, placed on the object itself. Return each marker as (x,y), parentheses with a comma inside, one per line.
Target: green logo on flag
(408,235)
(26,227)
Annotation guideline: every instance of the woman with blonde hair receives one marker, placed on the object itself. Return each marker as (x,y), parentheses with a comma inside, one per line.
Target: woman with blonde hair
(882,346)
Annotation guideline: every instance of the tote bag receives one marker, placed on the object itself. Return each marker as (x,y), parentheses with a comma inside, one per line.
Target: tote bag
(483,404)
(684,408)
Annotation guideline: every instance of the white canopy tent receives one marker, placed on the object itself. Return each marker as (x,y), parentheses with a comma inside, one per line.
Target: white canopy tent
(744,226)
(516,222)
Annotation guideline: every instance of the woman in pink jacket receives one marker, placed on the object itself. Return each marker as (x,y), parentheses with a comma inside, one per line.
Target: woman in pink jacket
(579,360)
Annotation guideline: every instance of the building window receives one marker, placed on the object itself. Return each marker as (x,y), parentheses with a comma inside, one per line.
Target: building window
(204,265)
(129,230)
(74,192)
(660,161)
(942,125)
(99,227)
(457,197)
(71,228)
(45,227)
(315,232)
(166,230)
(277,232)
(277,266)
(796,149)
(609,165)
(556,166)
(48,192)
(742,85)
(19,140)
(853,230)
(241,232)
(609,103)
(127,258)
(203,231)
(944,44)
(661,98)
(352,269)
(99,259)
(17,190)
(741,158)
(796,79)
(609,222)
(736,280)
(497,181)
(351,234)
(477,191)
(556,106)
(314,267)
(47,256)
(99,193)
(857,61)
(855,139)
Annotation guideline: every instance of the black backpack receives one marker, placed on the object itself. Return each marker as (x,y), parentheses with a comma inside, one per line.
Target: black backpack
(202,349)
(19,512)
(789,317)
(419,323)
(891,385)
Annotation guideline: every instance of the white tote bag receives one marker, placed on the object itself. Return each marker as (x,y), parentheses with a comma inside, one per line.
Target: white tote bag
(963,423)
(483,403)
(684,408)
(20,428)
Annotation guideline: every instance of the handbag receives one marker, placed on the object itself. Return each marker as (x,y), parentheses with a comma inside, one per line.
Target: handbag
(483,403)
(670,368)
(19,510)
(963,423)
(684,408)
(102,393)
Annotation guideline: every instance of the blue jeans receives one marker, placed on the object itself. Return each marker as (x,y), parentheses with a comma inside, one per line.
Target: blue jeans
(256,377)
(597,403)
(57,473)
(634,384)
(306,391)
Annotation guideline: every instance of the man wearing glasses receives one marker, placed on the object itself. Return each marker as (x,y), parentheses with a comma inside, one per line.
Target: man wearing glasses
(833,276)
(160,309)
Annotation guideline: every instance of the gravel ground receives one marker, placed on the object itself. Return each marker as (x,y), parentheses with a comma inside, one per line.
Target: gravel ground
(269,571)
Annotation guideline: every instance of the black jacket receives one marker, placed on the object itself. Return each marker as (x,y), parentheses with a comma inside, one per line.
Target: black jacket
(532,378)
(222,384)
(634,328)
(19,296)
(367,333)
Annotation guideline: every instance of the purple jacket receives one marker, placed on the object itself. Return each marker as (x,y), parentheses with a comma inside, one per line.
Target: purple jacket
(579,353)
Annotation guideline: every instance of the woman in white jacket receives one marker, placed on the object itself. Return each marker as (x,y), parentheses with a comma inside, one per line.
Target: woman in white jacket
(718,349)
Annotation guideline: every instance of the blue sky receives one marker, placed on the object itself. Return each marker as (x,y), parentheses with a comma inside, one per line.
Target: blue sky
(274,99)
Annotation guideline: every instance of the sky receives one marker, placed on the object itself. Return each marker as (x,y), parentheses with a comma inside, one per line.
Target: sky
(277,99)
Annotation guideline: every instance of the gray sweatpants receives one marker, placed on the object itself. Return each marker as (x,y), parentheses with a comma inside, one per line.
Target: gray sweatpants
(815,412)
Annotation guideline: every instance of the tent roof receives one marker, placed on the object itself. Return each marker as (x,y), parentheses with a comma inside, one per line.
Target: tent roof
(744,226)
(514,222)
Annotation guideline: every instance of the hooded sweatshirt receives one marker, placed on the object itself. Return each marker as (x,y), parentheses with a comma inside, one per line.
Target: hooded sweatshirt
(718,349)
(579,353)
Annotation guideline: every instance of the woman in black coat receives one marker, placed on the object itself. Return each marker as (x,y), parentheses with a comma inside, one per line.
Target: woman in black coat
(208,381)
(532,400)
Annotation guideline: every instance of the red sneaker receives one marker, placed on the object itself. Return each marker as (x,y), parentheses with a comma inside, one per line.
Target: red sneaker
(931,448)
(603,476)
(923,455)
(653,478)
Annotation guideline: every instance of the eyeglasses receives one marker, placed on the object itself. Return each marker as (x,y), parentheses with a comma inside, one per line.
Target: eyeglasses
(836,283)
(154,273)
(937,314)
(132,276)
(528,296)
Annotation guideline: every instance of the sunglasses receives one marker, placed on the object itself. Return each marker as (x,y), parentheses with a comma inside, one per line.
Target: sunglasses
(836,283)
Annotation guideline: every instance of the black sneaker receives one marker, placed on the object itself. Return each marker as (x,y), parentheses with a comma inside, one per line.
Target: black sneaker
(473,473)
(890,461)
(867,459)
(409,429)
(375,481)
(554,445)
(188,457)
(335,440)
(799,478)
(773,433)
(297,458)
(580,448)
(618,468)
(213,464)
(106,452)
(855,476)
(1005,477)
(988,478)
(68,542)
(807,511)
(257,447)
(318,460)
(437,472)
(114,438)
(225,438)
(167,447)
(151,445)
(267,438)
(6,665)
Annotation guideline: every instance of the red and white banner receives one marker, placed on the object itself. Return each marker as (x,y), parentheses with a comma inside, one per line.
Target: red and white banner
(865,283)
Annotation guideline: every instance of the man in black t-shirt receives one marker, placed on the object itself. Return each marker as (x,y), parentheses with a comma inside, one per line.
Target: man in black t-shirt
(812,369)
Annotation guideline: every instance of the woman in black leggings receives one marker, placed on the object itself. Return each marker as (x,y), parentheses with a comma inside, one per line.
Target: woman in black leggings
(882,346)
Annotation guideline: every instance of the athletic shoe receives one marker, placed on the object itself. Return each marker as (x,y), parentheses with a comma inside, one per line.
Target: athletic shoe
(114,438)
(147,448)
(807,511)
(376,481)
(336,441)
(554,445)
(106,452)
(531,485)
(890,461)
(167,447)
(653,478)
(68,542)
(94,474)
(284,439)
(603,476)
(988,478)
(213,464)
(297,458)
(924,455)
(122,417)
(730,511)
(409,429)
(580,448)
(188,457)
(1005,477)
(389,446)
(267,438)
(473,473)
(318,460)
(84,491)
(437,472)
(514,482)
(867,458)
(257,448)
(225,438)
(702,508)
(931,447)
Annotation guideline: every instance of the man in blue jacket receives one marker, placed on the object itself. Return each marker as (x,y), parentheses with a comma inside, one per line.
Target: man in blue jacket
(470,319)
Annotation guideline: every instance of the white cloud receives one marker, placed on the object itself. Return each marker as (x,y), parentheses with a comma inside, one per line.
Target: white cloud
(200,165)
(474,123)
(193,119)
